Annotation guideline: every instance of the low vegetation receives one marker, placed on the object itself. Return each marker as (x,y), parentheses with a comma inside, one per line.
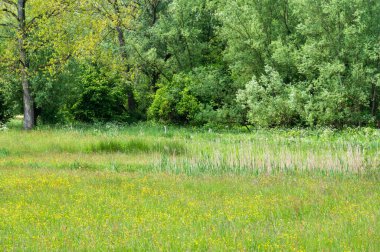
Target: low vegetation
(193,151)
(143,188)
(44,209)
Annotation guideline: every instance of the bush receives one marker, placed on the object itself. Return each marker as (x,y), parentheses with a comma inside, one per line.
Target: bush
(99,103)
(205,95)
(268,101)
(174,102)
(55,93)
(103,97)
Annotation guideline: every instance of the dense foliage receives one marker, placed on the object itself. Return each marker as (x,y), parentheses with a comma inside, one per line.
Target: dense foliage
(287,63)
(5,110)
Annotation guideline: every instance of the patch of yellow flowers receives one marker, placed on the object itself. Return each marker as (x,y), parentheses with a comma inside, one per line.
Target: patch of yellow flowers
(77,210)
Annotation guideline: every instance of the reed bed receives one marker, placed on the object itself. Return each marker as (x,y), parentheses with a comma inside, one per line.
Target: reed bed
(264,157)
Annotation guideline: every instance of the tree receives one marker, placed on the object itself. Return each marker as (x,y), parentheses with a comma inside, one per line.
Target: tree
(328,50)
(24,21)
(337,60)
(296,62)
(119,20)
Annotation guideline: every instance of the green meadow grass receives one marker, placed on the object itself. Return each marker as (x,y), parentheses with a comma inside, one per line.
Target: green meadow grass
(50,210)
(109,187)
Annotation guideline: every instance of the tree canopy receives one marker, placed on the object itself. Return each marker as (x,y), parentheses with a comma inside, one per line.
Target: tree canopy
(266,63)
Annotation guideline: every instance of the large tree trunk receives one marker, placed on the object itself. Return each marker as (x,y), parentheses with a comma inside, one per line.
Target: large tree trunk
(29,121)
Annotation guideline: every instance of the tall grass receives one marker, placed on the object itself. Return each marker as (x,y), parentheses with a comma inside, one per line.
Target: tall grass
(137,146)
(192,151)
(245,158)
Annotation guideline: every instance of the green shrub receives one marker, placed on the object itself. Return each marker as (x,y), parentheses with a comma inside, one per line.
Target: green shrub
(268,102)
(202,96)
(174,102)
(99,103)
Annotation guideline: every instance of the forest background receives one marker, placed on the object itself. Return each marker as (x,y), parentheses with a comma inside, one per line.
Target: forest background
(266,63)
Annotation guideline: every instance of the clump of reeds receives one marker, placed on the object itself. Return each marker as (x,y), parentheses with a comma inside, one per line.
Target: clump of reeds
(265,157)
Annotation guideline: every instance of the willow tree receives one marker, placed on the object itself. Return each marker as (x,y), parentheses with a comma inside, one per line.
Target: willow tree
(26,26)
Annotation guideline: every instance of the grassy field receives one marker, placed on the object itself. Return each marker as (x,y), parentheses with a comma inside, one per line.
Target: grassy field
(139,188)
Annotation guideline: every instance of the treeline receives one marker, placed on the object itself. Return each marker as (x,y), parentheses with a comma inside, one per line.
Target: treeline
(267,63)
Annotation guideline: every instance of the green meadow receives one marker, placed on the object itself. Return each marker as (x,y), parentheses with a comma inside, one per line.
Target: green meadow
(139,187)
